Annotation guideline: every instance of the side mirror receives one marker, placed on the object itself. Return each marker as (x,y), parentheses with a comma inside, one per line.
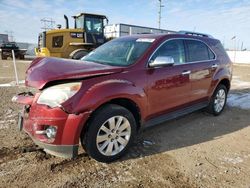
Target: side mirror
(162,61)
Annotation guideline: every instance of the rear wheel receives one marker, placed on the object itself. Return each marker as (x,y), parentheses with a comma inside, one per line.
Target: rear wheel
(110,133)
(218,100)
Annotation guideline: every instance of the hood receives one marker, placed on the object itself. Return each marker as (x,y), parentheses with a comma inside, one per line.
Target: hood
(43,70)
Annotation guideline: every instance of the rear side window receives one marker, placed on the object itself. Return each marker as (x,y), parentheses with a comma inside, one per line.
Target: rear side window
(198,51)
(172,48)
(57,41)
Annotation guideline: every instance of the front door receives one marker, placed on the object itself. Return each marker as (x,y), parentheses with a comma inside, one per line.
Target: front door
(168,87)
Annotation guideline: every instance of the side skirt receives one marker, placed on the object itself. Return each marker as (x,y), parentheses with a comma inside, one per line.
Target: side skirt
(174,114)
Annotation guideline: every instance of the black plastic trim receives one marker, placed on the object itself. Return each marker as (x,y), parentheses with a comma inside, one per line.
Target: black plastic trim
(65,151)
(175,114)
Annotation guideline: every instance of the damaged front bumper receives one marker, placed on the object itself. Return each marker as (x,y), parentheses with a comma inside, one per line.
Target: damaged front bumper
(35,119)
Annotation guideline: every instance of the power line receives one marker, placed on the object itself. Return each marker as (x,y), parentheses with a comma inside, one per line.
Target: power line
(47,23)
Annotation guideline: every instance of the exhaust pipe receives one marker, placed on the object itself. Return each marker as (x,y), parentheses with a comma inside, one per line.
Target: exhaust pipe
(66,21)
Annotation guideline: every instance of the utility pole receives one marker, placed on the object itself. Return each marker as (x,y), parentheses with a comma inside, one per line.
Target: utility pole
(159,19)
(234,39)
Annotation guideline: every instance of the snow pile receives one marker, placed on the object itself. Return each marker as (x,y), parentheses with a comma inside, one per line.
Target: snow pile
(238,84)
(234,160)
(239,56)
(239,100)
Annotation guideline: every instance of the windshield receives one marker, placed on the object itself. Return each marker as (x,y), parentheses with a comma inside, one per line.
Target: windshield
(93,25)
(119,52)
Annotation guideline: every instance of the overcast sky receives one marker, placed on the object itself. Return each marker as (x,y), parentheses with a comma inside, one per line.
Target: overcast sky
(221,18)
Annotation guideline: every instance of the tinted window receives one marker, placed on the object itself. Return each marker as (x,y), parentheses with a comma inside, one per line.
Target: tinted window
(198,51)
(211,54)
(93,25)
(172,48)
(57,42)
(220,50)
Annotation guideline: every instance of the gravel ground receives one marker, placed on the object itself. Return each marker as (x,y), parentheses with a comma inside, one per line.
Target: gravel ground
(197,150)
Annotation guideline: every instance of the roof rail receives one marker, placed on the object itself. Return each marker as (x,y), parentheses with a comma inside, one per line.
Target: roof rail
(195,34)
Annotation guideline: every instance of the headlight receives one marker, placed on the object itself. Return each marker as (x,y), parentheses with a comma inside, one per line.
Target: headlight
(54,96)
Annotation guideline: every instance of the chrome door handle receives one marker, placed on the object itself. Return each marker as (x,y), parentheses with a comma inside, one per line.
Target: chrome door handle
(214,66)
(186,72)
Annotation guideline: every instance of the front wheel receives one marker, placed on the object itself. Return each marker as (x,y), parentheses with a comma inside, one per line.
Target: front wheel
(218,100)
(110,133)
(79,54)
(3,57)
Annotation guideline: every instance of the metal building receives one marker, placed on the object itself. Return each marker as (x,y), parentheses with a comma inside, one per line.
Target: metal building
(3,38)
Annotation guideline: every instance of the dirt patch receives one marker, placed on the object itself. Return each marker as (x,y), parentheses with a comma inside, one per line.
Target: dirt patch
(197,150)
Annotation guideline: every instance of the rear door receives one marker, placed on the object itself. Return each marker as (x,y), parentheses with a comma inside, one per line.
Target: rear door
(203,65)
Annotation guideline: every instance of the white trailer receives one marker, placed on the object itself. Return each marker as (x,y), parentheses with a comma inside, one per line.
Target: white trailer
(120,29)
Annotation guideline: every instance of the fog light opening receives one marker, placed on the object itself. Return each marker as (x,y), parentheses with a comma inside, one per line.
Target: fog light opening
(51,132)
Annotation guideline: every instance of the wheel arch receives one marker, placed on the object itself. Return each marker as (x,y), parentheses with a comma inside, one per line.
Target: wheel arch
(108,91)
(124,102)
(225,81)
(71,55)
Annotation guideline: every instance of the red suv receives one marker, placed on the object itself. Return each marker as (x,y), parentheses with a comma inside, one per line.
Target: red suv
(122,86)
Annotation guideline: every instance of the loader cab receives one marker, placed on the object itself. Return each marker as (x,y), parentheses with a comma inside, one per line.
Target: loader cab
(93,26)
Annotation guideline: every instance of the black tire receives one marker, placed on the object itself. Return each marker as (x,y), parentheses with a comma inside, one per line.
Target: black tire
(212,107)
(3,57)
(21,56)
(79,54)
(89,138)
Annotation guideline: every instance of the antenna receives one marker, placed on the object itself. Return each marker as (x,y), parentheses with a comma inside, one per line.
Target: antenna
(47,23)
(159,19)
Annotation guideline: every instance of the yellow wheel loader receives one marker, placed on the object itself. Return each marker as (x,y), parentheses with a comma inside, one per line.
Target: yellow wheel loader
(87,34)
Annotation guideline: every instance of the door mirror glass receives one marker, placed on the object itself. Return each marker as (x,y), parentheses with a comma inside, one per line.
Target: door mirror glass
(162,61)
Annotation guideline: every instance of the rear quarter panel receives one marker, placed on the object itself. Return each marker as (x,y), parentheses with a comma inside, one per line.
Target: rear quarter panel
(224,70)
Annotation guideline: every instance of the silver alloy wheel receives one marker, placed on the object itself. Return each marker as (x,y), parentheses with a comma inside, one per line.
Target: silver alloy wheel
(113,135)
(219,100)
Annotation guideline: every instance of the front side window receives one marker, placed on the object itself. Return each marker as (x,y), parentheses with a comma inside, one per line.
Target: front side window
(173,49)
(198,51)
(79,22)
(119,52)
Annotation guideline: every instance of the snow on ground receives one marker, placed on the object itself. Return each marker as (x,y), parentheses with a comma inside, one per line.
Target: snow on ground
(239,56)
(239,84)
(12,84)
(239,100)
